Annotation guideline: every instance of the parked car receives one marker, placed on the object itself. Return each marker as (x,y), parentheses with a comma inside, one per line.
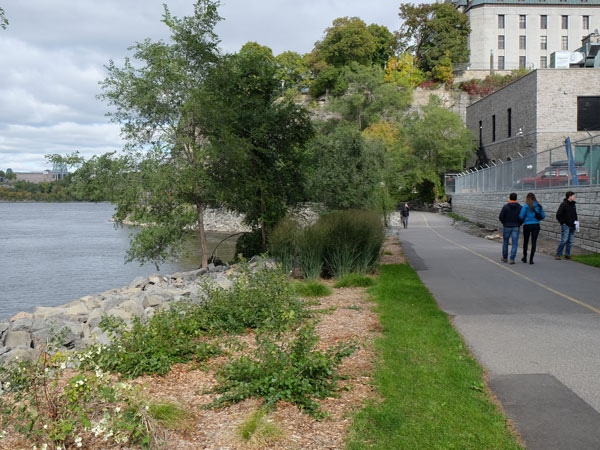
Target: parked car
(557,174)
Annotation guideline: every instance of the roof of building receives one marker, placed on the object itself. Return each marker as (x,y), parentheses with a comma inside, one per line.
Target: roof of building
(472,3)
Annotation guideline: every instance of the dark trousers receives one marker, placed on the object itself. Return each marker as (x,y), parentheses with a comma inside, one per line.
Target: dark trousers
(532,230)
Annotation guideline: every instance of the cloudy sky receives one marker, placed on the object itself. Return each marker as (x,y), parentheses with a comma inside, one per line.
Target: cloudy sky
(53,53)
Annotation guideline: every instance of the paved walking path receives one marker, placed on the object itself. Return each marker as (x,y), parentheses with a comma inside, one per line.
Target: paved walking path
(535,328)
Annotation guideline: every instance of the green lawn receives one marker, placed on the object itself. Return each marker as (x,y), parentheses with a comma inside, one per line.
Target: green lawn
(590,260)
(432,389)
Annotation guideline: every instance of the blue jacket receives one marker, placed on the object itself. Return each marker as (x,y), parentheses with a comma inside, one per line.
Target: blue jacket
(529,215)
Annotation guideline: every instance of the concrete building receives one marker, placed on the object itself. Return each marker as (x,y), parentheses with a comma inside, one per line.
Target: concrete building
(35,177)
(509,34)
(537,112)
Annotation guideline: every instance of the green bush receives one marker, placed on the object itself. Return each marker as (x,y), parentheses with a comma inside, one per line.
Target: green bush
(283,244)
(337,244)
(291,370)
(312,289)
(249,244)
(355,280)
(260,300)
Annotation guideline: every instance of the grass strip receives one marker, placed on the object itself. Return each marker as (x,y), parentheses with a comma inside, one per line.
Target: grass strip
(432,388)
(590,260)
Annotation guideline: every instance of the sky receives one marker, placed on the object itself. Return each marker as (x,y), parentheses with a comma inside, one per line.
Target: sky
(53,53)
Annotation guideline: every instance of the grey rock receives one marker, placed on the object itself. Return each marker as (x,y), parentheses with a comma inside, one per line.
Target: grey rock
(120,314)
(22,324)
(14,339)
(132,307)
(139,282)
(95,318)
(99,337)
(211,267)
(153,300)
(113,301)
(20,354)
(3,327)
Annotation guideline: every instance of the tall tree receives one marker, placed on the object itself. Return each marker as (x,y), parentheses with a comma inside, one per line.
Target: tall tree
(154,100)
(432,31)
(256,137)
(293,70)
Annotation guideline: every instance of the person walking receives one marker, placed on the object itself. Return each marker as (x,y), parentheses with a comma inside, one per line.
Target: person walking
(531,215)
(509,216)
(567,217)
(404,212)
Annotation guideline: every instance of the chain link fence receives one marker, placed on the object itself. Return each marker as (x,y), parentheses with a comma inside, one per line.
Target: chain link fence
(543,170)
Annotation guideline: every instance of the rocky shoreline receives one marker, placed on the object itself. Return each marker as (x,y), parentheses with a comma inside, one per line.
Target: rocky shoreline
(26,335)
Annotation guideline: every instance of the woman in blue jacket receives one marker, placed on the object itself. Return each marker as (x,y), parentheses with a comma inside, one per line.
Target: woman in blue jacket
(531,214)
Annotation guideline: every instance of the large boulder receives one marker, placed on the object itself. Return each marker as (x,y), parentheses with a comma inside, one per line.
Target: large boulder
(16,339)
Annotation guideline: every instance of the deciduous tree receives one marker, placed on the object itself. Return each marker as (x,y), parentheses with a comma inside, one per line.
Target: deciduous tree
(154,101)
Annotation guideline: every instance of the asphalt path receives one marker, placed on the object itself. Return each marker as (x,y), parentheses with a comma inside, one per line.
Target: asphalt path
(534,328)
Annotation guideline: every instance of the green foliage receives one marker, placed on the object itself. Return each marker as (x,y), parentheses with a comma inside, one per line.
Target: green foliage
(355,280)
(432,31)
(591,260)
(443,70)
(311,244)
(283,243)
(458,217)
(491,83)
(48,405)
(312,289)
(369,98)
(256,138)
(3,19)
(438,142)
(292,70)
(259,300)
(169,415)
(169,337)
(288,369)
(155,101)
(352,184)
(250,244)
(402,71)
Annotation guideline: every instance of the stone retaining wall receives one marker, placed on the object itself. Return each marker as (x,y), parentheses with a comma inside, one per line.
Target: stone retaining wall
(484,208)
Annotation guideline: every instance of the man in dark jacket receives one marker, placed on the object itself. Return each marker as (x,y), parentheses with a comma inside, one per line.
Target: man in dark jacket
(509,216)
(404,213)
(566,216)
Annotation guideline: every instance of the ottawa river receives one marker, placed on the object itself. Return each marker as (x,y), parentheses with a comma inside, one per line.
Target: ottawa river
(53,253)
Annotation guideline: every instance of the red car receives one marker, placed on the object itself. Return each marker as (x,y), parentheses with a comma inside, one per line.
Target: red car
(557,174)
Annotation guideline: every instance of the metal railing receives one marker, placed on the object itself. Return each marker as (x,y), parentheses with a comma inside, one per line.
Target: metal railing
(543,170)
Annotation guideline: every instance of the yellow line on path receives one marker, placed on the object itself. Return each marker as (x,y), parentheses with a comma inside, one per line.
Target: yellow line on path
(503,266)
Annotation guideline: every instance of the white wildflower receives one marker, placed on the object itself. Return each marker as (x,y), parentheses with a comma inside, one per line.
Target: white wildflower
(78,441)
(118,409)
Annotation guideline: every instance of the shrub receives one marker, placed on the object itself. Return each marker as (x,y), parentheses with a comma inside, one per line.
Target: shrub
(355,280)
(292,371)
(55,407)
(249,244)
(311,243)
(283,244)
(312,289)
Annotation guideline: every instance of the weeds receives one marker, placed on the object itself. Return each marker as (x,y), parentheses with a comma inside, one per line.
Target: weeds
(355,280)
(312,289)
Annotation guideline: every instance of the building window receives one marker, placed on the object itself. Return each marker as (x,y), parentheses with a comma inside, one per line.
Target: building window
(588,113)
(500,42)
(522,43)
(494,128)
(522,22)
(543,22)
(543,62)
(564,22)
(543,42)
(509,121)
(564,43)
(500,62)
(586,22)
(501,21)
(522,62)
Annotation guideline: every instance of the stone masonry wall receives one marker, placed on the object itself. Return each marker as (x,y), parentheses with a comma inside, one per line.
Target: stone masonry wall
(484,208)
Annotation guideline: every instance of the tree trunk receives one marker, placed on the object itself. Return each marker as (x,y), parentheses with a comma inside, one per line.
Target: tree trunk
(202,234)
(263,227)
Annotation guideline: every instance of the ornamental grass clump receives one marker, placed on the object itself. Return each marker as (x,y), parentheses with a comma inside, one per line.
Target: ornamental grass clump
(283,245)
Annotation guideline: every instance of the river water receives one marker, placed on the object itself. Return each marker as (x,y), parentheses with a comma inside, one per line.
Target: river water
(52,253)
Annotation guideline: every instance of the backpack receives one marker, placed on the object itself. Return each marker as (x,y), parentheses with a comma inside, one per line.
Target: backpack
(538,215)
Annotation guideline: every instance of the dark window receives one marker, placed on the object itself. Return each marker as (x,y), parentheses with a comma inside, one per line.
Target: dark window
(500,62)
(564,43)
(493,128)
(500,42)
(522,22)
(543,62)
(500,20)
(522,62)
(564,22)
(543,42)
(522,42)
(543,22)
(480,133)
(509,121)
(588,113)
(586,22)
